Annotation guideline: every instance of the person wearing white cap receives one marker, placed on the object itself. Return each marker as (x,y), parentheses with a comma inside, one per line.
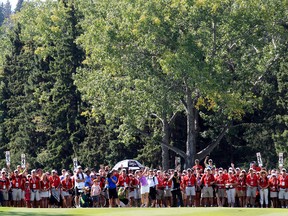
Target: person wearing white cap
(230,184)
(4,188)
(79,184)
(34,182)
(283,188)
(273,186)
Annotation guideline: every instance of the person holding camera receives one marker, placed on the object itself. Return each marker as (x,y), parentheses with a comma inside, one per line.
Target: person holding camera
(176,192)
(111,181)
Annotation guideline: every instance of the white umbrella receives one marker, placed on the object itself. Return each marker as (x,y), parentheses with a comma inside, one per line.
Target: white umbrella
(128,164)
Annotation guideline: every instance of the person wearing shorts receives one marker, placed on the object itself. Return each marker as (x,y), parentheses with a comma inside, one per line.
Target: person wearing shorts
(167,191)
(241,189)
(251,183)
(273,186)
(221,191)
(283,188)
(16,182)
(207,181)
(144,187)
(34,183)
(189,182)
(113,195)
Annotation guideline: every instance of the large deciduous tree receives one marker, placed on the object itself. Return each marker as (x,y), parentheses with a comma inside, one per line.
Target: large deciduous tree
(150,60)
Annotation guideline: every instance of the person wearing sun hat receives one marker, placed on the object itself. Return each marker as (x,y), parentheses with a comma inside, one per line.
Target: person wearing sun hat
(273,186)
(263,184)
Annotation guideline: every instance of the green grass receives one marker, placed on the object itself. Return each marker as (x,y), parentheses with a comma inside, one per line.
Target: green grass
(146,212)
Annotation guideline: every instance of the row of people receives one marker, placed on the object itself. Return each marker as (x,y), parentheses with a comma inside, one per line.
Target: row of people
(197,186)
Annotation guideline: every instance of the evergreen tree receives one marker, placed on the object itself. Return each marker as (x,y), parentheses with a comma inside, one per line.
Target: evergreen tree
(1,14)
(19,5)
(7,9)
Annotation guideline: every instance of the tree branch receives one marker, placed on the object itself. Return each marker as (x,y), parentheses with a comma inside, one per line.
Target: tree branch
(172,148)
(173,117)
(202,154)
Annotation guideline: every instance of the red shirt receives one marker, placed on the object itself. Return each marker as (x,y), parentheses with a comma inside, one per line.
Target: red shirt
(4,183)
(220,181)
(263,182)
(160,182)
(231,180)
(167,183)
(252,181)
(283,181)
(132,183)
(189,181)
(207,179)
(198,166)
(34,183)
(273,184)
(45,185)
(54,181)
(16,181)
(67,185)
(123,181)
(241,183)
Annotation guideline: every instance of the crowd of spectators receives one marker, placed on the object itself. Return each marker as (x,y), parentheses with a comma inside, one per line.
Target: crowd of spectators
(198,186)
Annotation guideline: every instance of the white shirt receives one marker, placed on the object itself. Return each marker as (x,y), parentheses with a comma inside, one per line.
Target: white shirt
(79,185)
(152,181)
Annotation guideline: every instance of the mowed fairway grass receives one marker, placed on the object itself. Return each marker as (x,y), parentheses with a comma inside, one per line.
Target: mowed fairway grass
(145,212)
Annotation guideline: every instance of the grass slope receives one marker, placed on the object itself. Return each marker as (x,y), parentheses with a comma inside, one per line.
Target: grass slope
(145,212)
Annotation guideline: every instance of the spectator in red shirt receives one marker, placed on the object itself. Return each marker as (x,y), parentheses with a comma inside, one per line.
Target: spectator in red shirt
(34,182)
(241,189)
(189,182)
(207,181)
(221,191)
(167,191)
(197,166)
(273,186)
(230,185)
(263,188)
(251,183)
(16,182)
(67,187)
(283,188)
(54,180)
(44,192)
(160,188)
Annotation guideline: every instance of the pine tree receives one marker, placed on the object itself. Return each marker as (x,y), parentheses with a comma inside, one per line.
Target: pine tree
(19,5)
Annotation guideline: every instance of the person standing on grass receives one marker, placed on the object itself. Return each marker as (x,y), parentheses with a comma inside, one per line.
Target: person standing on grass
(16,182)
(273,186)
(79,184)
(35,186)
(160,189)
(207,181)
(283,188)
(263,183)
(189,182)
(95,192)
(67,187)
(152,182)
(44,191)
(221,191)
(241,189)
(144,190)
(176,191)
(111,181)
(251,183)
(230,185)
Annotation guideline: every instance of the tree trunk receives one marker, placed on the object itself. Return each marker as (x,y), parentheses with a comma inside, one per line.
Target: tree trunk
(191,129)
(166,140)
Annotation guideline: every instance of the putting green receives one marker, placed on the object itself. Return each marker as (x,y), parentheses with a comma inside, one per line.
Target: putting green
(145,212)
